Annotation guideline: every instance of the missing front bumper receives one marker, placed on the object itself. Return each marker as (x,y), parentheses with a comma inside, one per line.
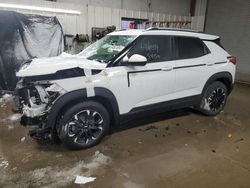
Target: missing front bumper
(37,127)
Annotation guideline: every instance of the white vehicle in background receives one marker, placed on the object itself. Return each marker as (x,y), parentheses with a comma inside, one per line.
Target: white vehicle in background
(76,98)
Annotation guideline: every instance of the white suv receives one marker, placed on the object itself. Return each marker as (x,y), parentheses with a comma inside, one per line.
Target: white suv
(76,98)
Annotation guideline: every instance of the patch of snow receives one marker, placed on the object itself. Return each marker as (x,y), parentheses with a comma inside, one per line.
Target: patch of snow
(58,177)
(10,127)
(206,105)
(84,180)
(6,98)
(14,117)
(97,160)
(23,139)
(3,163)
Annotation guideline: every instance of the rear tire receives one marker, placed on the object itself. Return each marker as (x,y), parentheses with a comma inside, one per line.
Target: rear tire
(214,99)
(84,125)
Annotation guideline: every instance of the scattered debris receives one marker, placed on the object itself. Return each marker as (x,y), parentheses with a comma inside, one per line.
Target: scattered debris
(239,140)
(148,128)
(163,135)
(139,141)
(213,151)
(166,128)
(125,175)
(237,149)
(177,124)
(186,145)
(156,135)
(23,139)
(188,132)
(84,180)
(229,135)
(59,155)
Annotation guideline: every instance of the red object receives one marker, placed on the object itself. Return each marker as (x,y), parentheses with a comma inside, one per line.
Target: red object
(232,59)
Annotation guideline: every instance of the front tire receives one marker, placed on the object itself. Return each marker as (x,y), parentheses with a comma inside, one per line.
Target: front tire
(214,99)
(84,125)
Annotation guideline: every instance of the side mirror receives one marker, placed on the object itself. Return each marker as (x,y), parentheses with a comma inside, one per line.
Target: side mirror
(135,60)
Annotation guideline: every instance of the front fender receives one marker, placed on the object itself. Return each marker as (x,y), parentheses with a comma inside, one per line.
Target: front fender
(63,100)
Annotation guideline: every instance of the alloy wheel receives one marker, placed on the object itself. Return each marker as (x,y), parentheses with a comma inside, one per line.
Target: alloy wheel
(85,127)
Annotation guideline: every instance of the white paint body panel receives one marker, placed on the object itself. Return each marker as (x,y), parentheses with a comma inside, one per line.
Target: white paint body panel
(50,65)
(133,89)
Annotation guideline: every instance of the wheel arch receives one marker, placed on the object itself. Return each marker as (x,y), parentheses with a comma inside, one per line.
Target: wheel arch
(224,77)
(102,95)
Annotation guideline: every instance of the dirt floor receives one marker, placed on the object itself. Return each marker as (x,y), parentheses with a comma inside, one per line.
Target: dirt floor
(177,149)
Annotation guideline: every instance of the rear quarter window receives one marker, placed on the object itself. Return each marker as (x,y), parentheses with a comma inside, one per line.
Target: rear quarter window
(189,47)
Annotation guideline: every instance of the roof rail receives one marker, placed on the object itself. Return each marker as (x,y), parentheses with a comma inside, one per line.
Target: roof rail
(172,29)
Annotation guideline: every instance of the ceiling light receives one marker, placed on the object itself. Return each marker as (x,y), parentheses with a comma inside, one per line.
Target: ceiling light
(45,9)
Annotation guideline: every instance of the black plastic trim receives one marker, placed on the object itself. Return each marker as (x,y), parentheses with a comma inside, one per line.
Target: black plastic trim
(218,76)
(142,71)
(110,97)
(164,106)
(189,66)
(61,102)
(223,62)
(61,74)
(153,70)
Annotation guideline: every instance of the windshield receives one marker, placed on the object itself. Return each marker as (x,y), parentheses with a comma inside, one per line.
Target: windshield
(107,48)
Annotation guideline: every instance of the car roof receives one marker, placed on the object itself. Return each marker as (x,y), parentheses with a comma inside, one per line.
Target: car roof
(165,31)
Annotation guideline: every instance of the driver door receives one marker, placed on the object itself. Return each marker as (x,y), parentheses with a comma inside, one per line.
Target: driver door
(154,82)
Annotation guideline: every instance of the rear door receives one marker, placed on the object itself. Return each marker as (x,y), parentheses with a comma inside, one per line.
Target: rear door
(192,59)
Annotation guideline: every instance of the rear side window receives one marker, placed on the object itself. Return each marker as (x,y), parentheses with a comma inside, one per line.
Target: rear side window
(188,47)
(156,48)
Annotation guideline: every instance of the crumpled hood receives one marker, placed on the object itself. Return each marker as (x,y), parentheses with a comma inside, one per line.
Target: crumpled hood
(43,66)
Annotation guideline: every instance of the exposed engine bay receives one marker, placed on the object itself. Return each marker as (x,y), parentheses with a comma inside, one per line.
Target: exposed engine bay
(34,100)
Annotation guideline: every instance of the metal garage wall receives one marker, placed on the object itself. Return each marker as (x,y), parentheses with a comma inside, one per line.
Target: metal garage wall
(177,7)
(231,21)
(94,16)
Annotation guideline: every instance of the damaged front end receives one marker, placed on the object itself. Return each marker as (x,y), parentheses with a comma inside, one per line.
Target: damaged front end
(34,100)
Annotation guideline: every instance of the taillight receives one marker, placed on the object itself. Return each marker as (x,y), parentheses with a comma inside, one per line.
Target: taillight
(232,59)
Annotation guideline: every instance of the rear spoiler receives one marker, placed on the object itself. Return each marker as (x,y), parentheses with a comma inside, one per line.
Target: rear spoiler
(216,41)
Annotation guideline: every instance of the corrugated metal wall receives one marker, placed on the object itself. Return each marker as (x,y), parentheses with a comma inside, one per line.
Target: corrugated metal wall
(94,16)
(231,21)
(177,7)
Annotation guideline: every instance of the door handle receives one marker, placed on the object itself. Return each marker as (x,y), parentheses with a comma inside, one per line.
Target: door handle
(210,63)
(167,68)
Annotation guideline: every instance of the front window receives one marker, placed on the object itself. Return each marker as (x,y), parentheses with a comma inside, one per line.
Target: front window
(156,48)
(105,49)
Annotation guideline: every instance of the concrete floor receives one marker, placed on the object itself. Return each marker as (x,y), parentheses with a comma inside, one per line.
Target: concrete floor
(178,149)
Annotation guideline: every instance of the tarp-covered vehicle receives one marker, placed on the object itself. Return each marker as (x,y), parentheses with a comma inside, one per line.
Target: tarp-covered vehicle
(24,37)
